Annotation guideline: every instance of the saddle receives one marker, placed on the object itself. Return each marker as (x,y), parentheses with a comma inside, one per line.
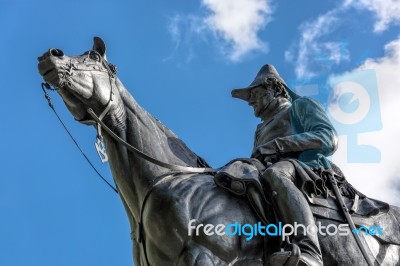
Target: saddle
(242,174)
(241,177)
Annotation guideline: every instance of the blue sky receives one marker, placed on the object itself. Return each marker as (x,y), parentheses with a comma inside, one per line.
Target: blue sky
(180,60)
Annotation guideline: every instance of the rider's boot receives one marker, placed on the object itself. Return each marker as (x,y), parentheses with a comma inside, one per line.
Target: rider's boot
(292,207)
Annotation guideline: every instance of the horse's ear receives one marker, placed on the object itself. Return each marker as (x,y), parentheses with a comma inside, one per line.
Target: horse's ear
(99,46)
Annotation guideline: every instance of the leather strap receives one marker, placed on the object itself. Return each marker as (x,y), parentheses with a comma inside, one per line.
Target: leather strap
(146,156)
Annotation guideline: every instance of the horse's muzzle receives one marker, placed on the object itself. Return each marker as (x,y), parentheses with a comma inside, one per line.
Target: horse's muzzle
(51,52)
(49,66)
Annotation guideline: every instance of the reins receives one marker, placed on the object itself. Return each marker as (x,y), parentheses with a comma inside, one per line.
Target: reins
(46,95)
(144,155)
(99,144)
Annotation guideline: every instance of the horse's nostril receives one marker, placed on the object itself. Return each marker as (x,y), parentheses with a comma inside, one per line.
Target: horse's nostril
(56,52)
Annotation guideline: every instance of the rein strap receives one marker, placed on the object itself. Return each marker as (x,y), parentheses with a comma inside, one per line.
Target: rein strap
(144,155)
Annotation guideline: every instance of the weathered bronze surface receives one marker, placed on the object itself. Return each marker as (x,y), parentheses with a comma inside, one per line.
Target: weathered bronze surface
(160,203)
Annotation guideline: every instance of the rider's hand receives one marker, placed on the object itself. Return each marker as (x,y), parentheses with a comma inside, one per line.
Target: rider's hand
(256,154)
(266,150)
(271,159)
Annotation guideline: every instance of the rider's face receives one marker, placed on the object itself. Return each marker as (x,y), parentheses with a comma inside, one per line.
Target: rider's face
(260,98)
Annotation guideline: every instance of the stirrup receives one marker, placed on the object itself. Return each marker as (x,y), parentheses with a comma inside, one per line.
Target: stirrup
(286,258)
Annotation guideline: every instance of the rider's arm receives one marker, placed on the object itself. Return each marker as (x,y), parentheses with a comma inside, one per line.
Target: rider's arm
(317,133)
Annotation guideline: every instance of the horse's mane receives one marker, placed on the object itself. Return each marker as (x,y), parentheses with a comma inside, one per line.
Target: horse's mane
(170,139)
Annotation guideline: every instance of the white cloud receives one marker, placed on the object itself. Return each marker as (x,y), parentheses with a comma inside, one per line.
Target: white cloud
(380,180)
(312,51)
(174,31)
(184,29)
(386,11)
(238,22)
(312,54)
(234,25)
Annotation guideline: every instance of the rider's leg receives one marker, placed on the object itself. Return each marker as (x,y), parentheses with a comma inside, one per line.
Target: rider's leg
(292,206)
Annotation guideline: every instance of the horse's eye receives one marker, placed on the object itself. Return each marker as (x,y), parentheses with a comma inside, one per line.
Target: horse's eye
(95,56)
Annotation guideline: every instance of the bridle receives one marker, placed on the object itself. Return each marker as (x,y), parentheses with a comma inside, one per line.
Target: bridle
(111,70)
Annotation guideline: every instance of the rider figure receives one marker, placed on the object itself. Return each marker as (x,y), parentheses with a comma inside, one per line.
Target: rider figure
(293,133)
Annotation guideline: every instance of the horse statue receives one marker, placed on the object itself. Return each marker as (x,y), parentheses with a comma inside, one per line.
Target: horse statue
(175,214)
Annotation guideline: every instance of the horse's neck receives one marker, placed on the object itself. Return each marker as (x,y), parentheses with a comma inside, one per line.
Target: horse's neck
(133,175)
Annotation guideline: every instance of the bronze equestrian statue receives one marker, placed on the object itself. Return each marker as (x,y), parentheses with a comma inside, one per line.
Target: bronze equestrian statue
(164,205)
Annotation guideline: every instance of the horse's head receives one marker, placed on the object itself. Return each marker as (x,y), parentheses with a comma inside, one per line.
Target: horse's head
(85,81)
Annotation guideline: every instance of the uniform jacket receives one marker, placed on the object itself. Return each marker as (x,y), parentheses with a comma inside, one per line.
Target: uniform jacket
(300,130)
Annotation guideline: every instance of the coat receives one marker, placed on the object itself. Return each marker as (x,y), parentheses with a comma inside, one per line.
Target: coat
(299,130)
